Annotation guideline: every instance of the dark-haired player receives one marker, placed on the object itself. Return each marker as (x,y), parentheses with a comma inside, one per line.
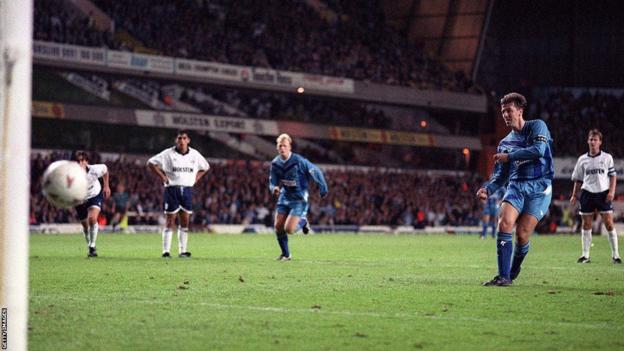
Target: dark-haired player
(179,167)
(89,210)
(524,159)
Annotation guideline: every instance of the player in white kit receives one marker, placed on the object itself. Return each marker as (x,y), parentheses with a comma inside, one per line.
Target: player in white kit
(179,168)
(596,171)
(89,210)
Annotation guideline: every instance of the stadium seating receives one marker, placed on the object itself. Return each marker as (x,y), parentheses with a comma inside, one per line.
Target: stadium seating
(573,114)
(288,36)
(237,192)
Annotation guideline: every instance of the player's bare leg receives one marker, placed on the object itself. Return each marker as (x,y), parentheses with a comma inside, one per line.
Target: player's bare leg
(291,224)
(607,218)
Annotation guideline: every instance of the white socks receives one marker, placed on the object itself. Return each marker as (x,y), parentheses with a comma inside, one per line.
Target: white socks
(167,235)
(613,240)
(182,239)
(166,238)
(93,232)
(90,234)
(586,239)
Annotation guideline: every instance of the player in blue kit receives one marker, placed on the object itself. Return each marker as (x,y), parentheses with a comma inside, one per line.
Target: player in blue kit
(289,178)
(524,159)
(490,212)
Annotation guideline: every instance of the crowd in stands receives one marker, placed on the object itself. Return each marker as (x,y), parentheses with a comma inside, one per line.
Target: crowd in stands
(281,34)
(55,21)
(570,116)
(236,192)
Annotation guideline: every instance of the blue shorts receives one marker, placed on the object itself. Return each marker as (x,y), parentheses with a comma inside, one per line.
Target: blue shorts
(531,196)
(590,202)
(293,208)
(83,209)
(178,198)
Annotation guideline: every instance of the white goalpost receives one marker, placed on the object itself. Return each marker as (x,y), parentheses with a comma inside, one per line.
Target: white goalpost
(15,119)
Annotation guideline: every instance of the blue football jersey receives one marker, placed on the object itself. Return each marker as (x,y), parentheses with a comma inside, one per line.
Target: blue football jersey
(293,177)
(530,156)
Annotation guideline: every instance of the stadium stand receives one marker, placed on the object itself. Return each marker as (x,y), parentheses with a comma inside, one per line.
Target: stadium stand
(289,36)
(572,113)
(55,21)
(236,192)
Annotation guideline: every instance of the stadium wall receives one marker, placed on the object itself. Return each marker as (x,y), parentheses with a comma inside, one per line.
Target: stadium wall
(193,121)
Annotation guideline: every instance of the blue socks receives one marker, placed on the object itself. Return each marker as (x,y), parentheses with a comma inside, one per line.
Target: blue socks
(301,224)
(282,240)
(504,250)
(484,228)
(519,254)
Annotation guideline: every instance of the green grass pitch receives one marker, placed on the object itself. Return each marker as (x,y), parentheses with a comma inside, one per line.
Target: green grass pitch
(340,292)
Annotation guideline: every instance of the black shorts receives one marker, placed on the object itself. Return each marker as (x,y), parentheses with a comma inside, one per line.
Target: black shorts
(590,202)
(178,198)
(82,210)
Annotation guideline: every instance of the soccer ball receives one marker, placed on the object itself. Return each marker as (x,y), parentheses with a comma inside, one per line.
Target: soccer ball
(64,184)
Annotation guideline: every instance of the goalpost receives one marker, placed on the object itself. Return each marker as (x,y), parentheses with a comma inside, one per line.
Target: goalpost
(15,102)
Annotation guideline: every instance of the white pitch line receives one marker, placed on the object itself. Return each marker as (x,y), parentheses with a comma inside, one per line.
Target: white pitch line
(415,315)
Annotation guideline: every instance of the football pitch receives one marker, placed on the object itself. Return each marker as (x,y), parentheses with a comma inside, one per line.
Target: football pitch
(340,292)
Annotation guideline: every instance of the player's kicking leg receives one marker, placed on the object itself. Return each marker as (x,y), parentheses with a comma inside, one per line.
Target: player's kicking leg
(504,247)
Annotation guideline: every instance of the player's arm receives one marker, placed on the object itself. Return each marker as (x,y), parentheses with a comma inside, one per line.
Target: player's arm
(204,166)
(575,189)
(199,175)
(538,144)
(498,179)
(577,178)
(273,182)
(155,165)
(317,175)
(159,172)
(106,185)
(612,180)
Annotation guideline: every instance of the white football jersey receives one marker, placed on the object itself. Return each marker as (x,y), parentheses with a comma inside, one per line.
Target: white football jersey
(594,171)
(94,172)
(181,169)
